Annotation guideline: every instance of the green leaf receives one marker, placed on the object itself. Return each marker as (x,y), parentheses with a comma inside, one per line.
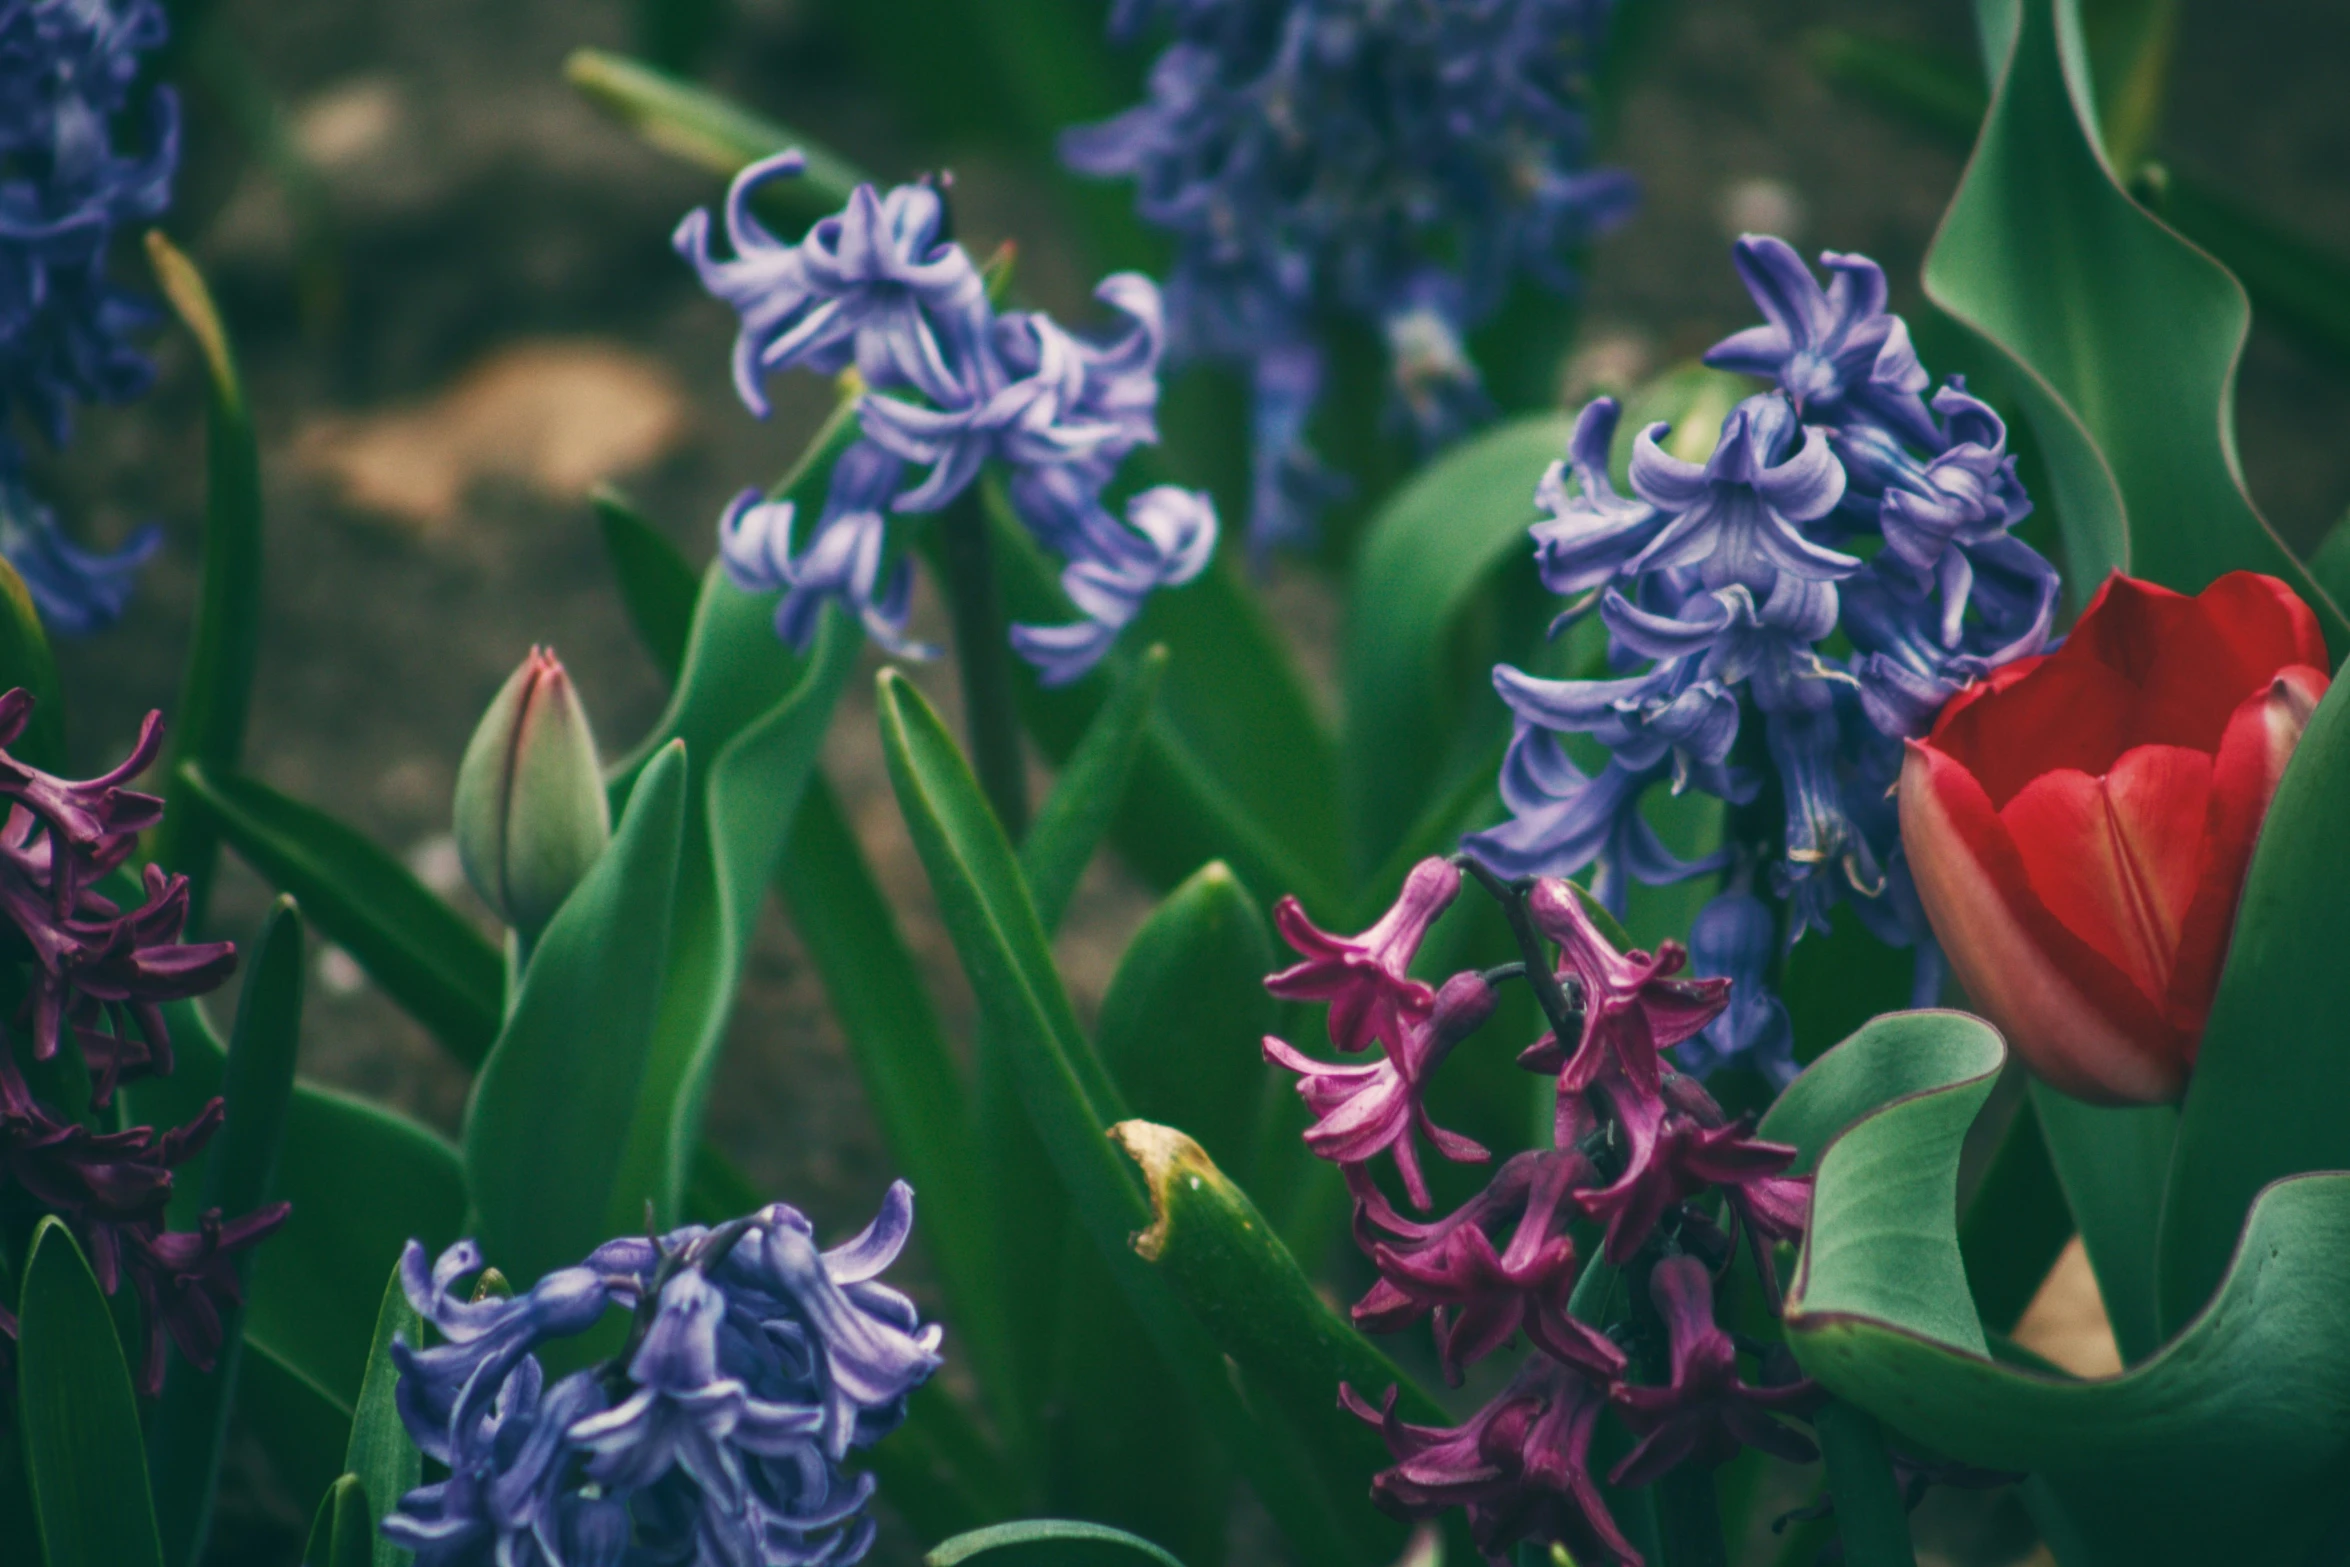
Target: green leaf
(380,1453)
(2015,1224)
(2112,1164)
(1426,554)
(216,685)
(1225,1264)
(2130,43)
(1871,1521)
(711,132)
(25,660)
(2330,561)
(2271,1079)
(2227,1445)
(2045,258)
(994,927)
(301,1427)
(77,1417)
(657,587)
(918,1091)
(1183,1025)
(1061,841)
(1047,1542)
(240,1174)
(562,1088)
(428,958)
(341,1530)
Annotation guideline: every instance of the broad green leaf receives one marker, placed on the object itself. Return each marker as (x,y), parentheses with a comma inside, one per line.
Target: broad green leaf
(1224,1263)
(2112,1164)
(240,1174)
(657,587)
(380,1453)
(1427,553)
(341,1529)
(301,1427)
(988,915)
(1871,1521)
(918,1091)
(77,1416)
(549,1123)
(702,128)
(2130,43)
(25,660)
(2271,1078)
(2046,258)
(1048,1542)
(1060,843)
(1183,1025)
(2330,561)
(216,685)
(428,958)
(2229,1444)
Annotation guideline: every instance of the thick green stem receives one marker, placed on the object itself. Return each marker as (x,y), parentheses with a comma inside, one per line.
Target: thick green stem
(1690,1519)
(984,655)
(1870,1519)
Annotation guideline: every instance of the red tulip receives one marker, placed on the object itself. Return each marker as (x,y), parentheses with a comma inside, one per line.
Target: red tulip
(2080,823)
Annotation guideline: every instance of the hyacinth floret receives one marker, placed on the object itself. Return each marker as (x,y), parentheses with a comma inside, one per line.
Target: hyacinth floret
(80,158)
(98,971)
(950,386)
(1637,1148)
(1398,166)
(1850,501)
(755,1363)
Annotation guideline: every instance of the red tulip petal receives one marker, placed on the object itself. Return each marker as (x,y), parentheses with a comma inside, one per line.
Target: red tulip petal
(2252,754)
(2068,712)
(2068,1011)
(2230,641)
(2126,625)
(2117,859)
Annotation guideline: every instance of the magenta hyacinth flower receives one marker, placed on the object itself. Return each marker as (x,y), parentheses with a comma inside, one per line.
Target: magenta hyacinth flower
(1707,1413)
(1363,977)
(1632,1007)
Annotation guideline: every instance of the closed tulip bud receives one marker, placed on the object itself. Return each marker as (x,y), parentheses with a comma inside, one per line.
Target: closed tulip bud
(2080,824)
(531,812)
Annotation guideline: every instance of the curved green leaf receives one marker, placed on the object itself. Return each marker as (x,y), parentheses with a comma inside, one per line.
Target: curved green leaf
(341,1530)
(216,687)
(1430,549)
(2045,257)
(657,587)
(240,1174)
(1183,1023)
(1070,1101)
(2112,1164)
(380,1453)
(1047,1542)
(25,660)
(428,958)
(2271,1079)
(2229,1444)
(1060,843)
(77,1417)
(563,1086)
(703,128)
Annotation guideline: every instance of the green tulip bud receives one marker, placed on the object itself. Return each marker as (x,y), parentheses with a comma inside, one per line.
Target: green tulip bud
(531,812)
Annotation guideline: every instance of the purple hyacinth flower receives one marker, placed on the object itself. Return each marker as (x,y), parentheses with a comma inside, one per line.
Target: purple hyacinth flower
(1563,819)
(1168,538)
(1365,978)
(1592,532)
(76,591)
(843,558)
(1837,353)
(1737,518)
(1520,1466)
(1707,1414)
(1734,938)
(1363,1111)
(503,1499)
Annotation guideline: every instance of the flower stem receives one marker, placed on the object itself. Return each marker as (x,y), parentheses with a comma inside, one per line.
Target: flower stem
(1690,1519)
(1870,1518)
(983,655)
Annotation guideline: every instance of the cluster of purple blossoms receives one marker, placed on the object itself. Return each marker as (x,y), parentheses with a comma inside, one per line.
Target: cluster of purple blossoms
(1400,165)
(68,72)
(1842,501)
(754,1364)
(96,977)
(1641,1156)
(950,383)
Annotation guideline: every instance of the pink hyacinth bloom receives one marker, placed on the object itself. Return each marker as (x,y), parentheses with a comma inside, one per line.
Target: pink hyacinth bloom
(1707,1413)
(1632,1008)
(1363,977)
